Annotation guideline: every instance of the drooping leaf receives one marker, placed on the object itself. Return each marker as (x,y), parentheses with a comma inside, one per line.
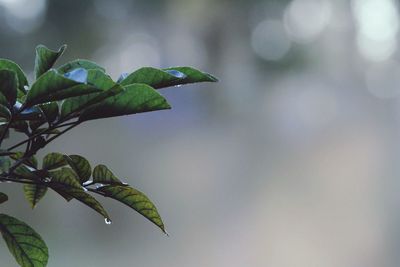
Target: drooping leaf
(9,65)
(81,166)
(53,86)
(160,78)
(98,79)
(9,85)
(3,198)
(102,175)
(80,195)
(31,161)
(136,200)
(79,63)
(34,193)
(45,58)
(53,161)
(135,98)
(27,246)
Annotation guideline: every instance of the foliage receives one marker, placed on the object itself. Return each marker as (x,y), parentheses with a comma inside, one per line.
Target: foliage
(57,101)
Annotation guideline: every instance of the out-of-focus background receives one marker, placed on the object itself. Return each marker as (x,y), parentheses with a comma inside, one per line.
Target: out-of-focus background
(292,159)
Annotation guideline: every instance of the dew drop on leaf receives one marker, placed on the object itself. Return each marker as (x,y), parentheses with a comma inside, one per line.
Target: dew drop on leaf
(107,221)
(177,74)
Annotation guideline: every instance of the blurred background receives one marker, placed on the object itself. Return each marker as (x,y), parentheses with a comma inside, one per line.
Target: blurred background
(290,160)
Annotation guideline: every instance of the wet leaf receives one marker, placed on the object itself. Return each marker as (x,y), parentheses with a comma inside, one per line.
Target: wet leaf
(102,175)
(134,199)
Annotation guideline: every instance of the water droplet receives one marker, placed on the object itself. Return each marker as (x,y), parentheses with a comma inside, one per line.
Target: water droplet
(107,221)
(177,74)
(88,182)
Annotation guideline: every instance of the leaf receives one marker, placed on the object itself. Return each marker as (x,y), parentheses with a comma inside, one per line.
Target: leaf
(53,161)
(159,78)
(102,175)
(3,100)
(81,166)
(136,98)
(9,85)
(65,177)
(79,63)
(9,65)
(98,79)
(45,58)
(27,246)
(25,173)
(80,195)
(31,161)
(53,86)
(34,193)
(134,199)
(3,198)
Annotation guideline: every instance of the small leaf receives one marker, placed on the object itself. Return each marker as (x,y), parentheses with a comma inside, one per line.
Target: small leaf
(27,246)
(3,198)
(134,199)
(9,85)
(34,193)
(102,175)
(136,98)
(79,63)
(53,161)
(192,75)
(45,58)
(53,86)
(9,65)
(81,166)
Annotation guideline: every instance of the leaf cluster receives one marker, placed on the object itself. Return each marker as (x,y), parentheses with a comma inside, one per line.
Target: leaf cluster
(60,99)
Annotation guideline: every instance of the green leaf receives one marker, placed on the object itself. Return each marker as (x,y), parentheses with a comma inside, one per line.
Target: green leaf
(80,195)
(134,199)
(3,100)
(45,58)
(25,173)
(9,85)
(159,78)
(98,79)
(136,98)
(81,166)
(79,63)
(34,193)
(24,243)
(50,111)
(9,65)
(53,86)
(102,175)
(31,161)
(53,161)
(65,177)
(3,198)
